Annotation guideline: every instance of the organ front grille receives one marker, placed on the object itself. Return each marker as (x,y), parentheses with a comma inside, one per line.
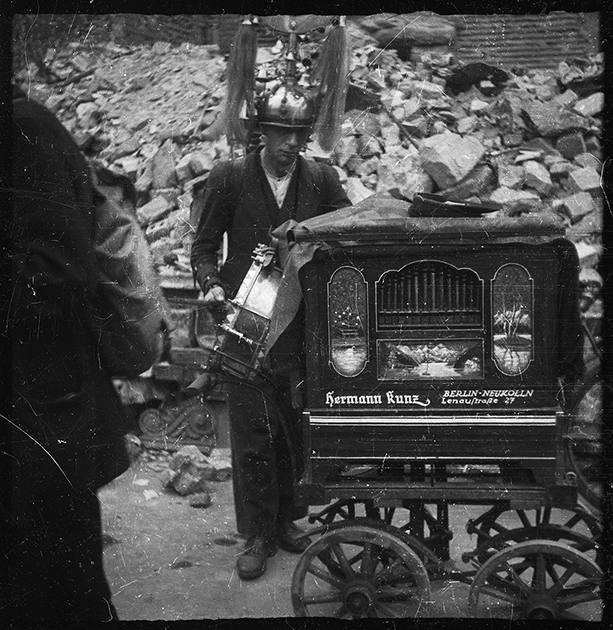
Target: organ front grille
(429,294)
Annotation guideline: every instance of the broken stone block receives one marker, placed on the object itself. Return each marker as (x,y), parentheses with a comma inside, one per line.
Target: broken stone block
(513,138)
(140,123)
(551,119)
(588,160)
(584,180)
(159,250)
(449,157)
(170,194)
(571,144)
(537,177)
(184,201)
(401,170)
(345,149)
(437,127)
(158,230)
(545,147)
(594,146)
(416,181)
(363,167)
(144,181)
(129,165)
(179,218)
(201,163)
(54,102)
(590,277)
(589,254)
(578,205)
(428,90)
(364,123)
(508,197)
(525,156)
(368,146)
(183,169)
(163,167)
(417,127)
(412,106)
(188,471)
(559,168)
(590,106)
(125,148)
(153,211)
(477,106)
(88,115)
(391,136)
(221,463)
(196,183)
(200,500)
(466,124)
(478,181)
(356,191)
(511,176)
(187,483)
(545,92)
(567,98)
(398,113)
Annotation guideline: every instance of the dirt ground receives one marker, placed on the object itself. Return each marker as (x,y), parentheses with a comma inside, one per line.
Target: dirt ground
(167,560)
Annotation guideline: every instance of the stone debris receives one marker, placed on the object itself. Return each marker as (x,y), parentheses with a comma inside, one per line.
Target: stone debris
(417,121)
(448,157)
(200,500)
(189,470)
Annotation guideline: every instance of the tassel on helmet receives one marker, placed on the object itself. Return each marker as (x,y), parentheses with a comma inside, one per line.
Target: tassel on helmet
(331,72)
(241,81)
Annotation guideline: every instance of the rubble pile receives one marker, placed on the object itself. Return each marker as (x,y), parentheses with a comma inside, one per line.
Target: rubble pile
(189,470)
(525,140)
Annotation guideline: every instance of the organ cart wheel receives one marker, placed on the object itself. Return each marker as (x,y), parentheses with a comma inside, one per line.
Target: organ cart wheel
(499,528)
(358,571)
(584,438)
(540,579)
(426,525)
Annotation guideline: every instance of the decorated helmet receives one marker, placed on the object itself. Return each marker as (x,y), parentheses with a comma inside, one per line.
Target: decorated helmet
(289,90)
(287,106)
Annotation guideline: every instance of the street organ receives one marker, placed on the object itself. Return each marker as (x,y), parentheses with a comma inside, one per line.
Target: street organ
(443,341)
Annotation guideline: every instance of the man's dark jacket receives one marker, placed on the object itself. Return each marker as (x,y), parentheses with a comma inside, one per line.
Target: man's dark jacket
(256,213)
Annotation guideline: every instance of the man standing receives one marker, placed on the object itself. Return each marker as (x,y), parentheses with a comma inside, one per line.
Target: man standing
(247,199)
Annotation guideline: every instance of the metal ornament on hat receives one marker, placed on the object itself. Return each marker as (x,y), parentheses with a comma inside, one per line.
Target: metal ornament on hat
(298,81)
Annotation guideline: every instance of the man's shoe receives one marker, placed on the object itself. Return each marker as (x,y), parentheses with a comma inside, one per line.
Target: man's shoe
(252,561)
(292,539)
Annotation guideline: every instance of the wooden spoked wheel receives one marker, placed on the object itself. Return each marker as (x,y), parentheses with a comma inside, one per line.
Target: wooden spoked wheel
(540,579)
(503,528)
(360,571)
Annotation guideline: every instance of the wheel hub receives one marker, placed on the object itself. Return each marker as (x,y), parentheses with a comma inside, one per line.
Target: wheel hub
(359,597)
(541,607)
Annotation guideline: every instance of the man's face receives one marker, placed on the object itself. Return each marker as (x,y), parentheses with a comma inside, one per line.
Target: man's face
(283,144)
